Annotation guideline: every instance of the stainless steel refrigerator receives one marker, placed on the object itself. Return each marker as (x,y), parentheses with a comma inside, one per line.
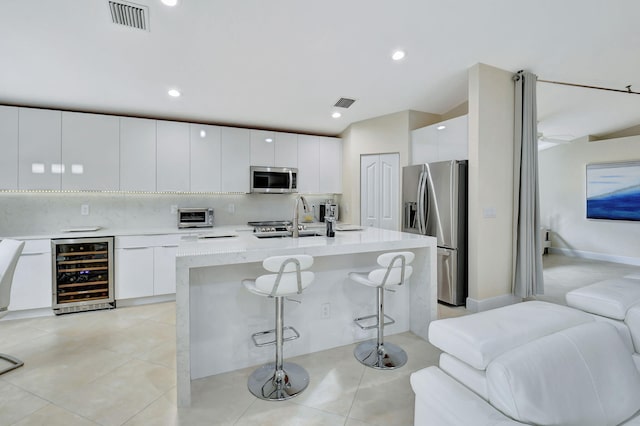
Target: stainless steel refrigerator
(434,198)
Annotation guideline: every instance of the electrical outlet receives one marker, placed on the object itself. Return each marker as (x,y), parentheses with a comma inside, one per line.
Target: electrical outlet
(325,312)
(174,209)
(84,209)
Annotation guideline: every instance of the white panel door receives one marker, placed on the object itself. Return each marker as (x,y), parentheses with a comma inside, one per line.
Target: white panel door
(205,158)
(39,144)
(235,156)
(262,148)
(379,189)
(31,288)
(164,269)
(134,272)
(137,154)
(308,164)
(172,144)
(8,147)
(330,160)
(286,150)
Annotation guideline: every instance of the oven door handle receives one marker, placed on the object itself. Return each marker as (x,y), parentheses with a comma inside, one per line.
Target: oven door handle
(290,180)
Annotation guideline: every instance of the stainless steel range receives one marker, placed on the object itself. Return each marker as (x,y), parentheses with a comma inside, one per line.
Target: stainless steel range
(278,229)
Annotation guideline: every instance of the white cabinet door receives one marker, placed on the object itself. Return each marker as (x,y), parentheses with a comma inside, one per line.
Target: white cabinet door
(164,269)
(90,152)
(330,179)
(39,164)
(235,156)
(424,145)
(8,147)
(173,158)
(134,272)
(262,148)
(453,139)
(205,158)
(379,189)
(31,288)
(286,150)
(137,154)
(308,164)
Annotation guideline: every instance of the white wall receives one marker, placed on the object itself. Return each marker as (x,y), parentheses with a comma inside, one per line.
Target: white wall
(491,98)
(563,201)
(25,214)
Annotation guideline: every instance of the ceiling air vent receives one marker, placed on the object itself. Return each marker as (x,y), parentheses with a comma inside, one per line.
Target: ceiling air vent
(129,14)
(344,103)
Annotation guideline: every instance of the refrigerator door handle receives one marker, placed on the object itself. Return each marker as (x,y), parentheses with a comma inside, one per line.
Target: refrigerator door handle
(421,214)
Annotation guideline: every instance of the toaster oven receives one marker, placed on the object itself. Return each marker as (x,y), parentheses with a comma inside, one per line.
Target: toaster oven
(195,217)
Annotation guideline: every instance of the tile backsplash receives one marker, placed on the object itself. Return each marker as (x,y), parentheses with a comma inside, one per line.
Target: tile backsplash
(45,213)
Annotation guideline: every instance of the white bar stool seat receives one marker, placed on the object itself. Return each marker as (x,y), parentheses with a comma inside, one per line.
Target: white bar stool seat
(395,270)
(10,251)
(280,380)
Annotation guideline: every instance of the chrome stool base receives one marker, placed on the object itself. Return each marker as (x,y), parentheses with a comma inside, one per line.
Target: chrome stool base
(264,385)
(388,357)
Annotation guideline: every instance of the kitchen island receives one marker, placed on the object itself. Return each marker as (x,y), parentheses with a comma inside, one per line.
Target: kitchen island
(216,315)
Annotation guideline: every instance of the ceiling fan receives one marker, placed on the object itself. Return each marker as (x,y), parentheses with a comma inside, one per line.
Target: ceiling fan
(555,139)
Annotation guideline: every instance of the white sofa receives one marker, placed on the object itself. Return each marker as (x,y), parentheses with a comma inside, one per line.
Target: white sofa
(529,363)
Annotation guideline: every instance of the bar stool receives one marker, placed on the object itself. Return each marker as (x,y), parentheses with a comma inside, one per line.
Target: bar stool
(280,380)
(375,353)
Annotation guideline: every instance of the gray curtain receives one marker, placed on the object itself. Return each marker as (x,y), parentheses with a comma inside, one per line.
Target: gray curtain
(527,249)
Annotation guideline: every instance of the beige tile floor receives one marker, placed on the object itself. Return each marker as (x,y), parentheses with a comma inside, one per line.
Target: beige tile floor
(118,368)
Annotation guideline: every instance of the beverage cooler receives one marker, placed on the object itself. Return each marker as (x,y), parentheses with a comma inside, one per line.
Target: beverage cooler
(82,274)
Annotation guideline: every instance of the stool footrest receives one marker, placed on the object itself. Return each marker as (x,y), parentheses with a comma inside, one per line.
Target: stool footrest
(369,327)
(259,344)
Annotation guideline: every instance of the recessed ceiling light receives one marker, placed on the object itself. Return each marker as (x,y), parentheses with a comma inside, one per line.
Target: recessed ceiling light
(397,55)
(169,2)
(268,140)
(336,115)
(174,93)
(441,127)
(203,134)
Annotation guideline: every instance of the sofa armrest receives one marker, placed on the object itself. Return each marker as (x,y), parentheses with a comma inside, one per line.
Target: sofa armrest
(441,400)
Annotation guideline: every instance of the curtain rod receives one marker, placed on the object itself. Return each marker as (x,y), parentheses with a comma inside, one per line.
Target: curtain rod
(591,87)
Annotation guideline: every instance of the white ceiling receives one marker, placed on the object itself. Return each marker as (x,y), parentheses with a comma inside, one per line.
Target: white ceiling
(282,64)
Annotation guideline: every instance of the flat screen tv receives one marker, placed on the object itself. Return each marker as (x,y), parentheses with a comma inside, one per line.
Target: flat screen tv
(613,191)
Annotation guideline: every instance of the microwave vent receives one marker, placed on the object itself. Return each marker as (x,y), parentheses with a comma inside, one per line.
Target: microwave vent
(129,14)
(344,103)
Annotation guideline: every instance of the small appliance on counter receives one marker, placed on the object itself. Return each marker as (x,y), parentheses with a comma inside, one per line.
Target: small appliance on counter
(195,217)
(326,210)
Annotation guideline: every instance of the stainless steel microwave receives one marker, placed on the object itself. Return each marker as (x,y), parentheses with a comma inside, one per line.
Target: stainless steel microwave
(274,180)
(195,217)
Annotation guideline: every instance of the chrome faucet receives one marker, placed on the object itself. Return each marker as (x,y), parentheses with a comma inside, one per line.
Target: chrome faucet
(295,233)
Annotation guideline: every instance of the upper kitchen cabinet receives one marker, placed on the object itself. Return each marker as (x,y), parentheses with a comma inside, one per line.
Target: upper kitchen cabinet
(235,155)
(308,164)
(8,147)
(137,154)
(205,158)
(262,148)
(330,179)
(447,140)
(173,158)
(90,152)
(39,147)
(286,150)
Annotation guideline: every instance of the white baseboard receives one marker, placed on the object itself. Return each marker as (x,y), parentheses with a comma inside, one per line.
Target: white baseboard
(474,305)
(145,300)
(596,256)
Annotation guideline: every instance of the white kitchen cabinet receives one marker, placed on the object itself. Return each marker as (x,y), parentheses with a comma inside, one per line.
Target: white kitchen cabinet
(31,288)
(173,157)
(205,158)
(262,148)
(330,164)
(137,154)
(8,147)
(286,150)
(39,149)
(430,144)
(164,271)
(235,159)
(90,152)
(308,164)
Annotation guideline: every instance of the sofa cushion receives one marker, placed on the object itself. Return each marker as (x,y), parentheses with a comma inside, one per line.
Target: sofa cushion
(479,338)
(580,376)
(474,379)
(622,329)
(632,320)
(609,298)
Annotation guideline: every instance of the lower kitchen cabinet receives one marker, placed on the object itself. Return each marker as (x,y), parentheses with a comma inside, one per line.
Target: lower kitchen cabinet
(145,265)
(31,288)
